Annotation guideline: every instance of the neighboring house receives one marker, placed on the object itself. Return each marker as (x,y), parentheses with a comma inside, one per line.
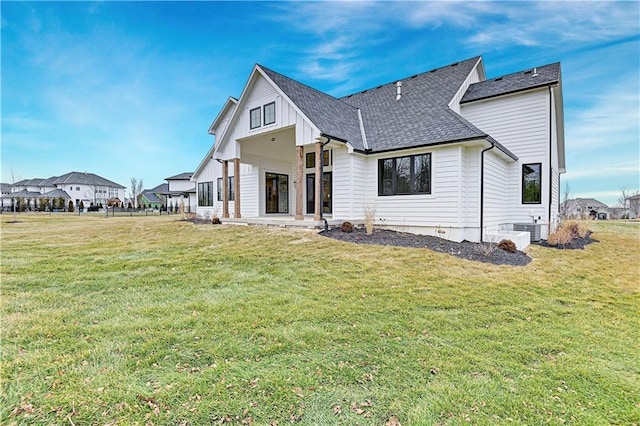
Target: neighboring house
(180,192)
(74,186)
(585,208)
(634,206)
(446,150)
(5,199)
(154,198)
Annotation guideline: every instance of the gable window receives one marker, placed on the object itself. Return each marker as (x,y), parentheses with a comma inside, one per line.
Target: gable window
(231,191)
(205,194)
(532,183)
(254,118)
(270,113)
(405,175)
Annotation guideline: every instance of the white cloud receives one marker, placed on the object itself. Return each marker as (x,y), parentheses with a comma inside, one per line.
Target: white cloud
(545,22)
(603,169)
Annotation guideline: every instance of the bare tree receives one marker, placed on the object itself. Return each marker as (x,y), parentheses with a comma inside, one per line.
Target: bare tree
(634,203)
(564,206)
(624,201)
(136,190)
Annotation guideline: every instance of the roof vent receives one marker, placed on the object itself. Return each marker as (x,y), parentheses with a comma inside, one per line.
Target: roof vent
(398,90)
(535,72)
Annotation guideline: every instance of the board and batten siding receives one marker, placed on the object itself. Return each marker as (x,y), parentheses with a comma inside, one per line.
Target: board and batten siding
(260,93)
(520,122)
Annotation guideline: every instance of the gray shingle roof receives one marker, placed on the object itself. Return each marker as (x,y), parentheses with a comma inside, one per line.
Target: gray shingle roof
(85,179)
(181,176)
(512,83)
(421,116)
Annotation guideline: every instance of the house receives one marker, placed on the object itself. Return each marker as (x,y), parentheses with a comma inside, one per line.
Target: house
(180,192)
(154,198)
(445,150)
(585,208)
(77,187)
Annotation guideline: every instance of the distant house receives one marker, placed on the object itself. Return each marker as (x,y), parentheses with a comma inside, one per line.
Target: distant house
(447,149)
(634,206)
(180,192)
(76,187)
(5,199)
(154,198)
(585,208)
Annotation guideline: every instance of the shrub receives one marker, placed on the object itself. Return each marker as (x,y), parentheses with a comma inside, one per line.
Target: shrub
(566,232)
(346,227)
(215,220)
(507,245)
(560,236)
(369,218)
(70,208)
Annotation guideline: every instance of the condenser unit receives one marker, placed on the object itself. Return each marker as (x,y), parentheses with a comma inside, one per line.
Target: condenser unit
(532,228)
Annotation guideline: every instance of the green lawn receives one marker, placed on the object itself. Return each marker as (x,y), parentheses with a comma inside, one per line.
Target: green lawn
(155,320)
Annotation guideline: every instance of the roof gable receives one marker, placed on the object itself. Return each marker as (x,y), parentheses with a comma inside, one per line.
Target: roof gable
(331,116)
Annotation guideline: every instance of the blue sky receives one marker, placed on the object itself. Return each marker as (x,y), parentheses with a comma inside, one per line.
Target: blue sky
(129,89)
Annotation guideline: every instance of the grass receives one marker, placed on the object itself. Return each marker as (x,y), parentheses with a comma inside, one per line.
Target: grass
(151,320)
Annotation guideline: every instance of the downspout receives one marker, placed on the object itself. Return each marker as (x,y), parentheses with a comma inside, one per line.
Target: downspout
(551,163)
(482,190)
(321,180)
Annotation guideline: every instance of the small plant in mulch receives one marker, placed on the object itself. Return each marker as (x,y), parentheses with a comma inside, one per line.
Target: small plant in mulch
(486,249)
(507,245)
(346,226)
(215,220)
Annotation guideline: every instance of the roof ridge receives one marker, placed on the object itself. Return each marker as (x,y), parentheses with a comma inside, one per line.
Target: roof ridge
(413,76)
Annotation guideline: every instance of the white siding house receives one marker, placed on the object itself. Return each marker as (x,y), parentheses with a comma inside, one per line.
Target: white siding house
(446,152)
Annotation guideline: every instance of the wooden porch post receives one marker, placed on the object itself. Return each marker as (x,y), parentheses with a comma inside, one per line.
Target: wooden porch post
(318,186)
(236,185)
(225,189)
(299,186)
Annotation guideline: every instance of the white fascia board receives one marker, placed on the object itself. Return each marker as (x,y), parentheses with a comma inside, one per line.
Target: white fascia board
(231,101)
(478,65)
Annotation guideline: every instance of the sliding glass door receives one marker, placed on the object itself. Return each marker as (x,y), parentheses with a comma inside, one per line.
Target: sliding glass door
(277,193)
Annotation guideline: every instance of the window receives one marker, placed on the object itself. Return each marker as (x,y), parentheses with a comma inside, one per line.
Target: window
(205,194)
(532,183)
(254,117)
(231,191)
(77,188)
(270,113)
(405,175)
(311,159)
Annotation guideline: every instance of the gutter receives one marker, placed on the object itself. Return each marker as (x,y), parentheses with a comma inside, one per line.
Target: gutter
(482,190)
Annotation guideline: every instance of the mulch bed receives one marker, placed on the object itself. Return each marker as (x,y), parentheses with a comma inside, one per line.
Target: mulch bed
(464,250)
(576,244)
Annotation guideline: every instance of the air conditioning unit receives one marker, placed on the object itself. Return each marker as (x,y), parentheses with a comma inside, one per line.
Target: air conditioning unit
(532,228)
